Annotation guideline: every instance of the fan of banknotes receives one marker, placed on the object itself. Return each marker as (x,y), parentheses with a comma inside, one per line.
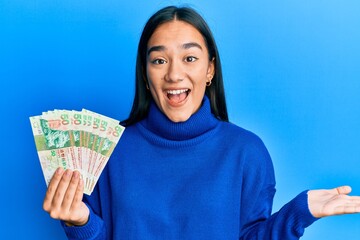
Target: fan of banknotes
(76,140)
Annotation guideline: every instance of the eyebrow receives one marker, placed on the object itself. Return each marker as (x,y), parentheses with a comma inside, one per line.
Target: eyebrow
(160,48)
(191,44)
(156,49)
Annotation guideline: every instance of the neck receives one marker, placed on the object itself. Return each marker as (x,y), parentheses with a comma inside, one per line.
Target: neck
(199,123)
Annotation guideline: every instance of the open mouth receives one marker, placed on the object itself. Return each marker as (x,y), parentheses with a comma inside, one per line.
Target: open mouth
(177,96)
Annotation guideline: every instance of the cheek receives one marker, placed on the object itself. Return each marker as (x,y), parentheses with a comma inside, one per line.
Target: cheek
(199,88)
(200,79)
(154,85)
(154,76)
(199,73)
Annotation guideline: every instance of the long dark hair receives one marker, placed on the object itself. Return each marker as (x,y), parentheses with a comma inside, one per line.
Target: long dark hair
(215,91)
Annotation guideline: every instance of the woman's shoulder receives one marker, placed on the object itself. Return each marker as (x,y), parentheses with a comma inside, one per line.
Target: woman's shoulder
(241,137)
(244,144)
(233,130)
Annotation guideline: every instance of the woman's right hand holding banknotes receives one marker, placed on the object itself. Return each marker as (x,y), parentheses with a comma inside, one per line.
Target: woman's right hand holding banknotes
(63,199)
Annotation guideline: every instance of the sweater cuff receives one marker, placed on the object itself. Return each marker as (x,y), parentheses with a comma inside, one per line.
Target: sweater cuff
(301,216)
(90,230)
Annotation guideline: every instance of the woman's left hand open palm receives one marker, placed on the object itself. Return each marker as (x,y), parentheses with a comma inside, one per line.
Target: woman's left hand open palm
(329,202)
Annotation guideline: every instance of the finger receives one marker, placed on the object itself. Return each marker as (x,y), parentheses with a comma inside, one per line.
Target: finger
(52,189)
(346,209)
(344,204)
(70,191)
(79,206)
(61,189)
(356,200)
(341,190)
(77,200)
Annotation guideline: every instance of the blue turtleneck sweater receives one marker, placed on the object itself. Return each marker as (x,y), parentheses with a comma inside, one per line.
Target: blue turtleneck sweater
(199,179)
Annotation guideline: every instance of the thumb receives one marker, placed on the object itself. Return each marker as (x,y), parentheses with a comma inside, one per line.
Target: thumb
(342,190)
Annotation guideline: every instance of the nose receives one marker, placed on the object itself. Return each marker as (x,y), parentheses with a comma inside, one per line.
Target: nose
(175,72)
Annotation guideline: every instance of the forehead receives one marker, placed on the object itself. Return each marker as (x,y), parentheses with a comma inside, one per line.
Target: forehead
(176,32)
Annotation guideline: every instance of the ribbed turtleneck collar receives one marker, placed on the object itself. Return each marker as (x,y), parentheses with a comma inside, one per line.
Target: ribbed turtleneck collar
(200,122)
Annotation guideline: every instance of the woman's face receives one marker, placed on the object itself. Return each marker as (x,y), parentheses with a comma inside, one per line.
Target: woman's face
(178,69)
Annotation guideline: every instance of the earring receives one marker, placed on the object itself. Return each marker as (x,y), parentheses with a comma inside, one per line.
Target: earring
(210,78)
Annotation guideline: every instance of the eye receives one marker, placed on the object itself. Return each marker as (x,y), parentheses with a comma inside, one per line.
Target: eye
(191,59)
(158,61)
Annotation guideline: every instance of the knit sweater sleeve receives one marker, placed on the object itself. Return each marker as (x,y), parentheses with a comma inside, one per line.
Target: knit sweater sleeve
(257,223)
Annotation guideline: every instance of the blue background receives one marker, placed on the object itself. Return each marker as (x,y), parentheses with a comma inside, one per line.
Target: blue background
(291,70)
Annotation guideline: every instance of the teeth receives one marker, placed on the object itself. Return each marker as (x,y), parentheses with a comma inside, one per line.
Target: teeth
(174,92)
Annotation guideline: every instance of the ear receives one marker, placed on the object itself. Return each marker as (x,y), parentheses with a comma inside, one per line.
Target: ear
(211,69)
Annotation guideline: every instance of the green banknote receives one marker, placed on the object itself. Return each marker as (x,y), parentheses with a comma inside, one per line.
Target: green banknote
(76,140)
